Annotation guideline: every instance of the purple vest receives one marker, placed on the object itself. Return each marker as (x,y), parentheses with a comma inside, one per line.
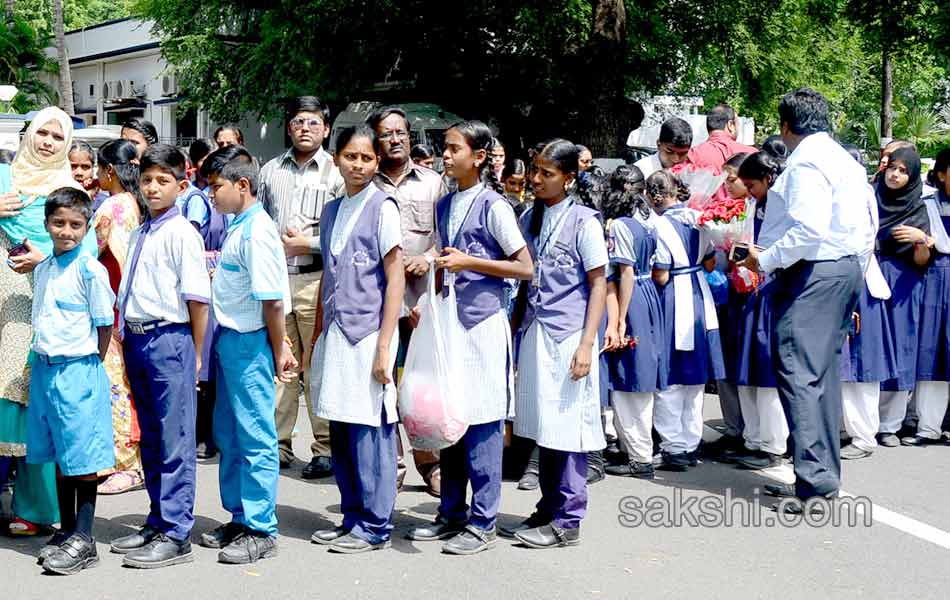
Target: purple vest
(354,282)
(560,302)
(479,296)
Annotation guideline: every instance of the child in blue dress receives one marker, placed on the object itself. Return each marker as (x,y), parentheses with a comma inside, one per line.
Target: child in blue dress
(689,320)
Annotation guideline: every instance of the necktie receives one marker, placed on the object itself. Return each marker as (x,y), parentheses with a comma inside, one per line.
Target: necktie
(133,263)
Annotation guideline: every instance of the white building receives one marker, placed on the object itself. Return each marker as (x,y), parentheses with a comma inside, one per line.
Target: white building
(118,73)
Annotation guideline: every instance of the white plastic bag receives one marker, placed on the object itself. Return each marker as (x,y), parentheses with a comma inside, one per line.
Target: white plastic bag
(432,401)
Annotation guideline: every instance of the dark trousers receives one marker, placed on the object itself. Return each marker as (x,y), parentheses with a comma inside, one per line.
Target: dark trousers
(161,368)
(563,481)
(364,463)
(475,459)
(813,306)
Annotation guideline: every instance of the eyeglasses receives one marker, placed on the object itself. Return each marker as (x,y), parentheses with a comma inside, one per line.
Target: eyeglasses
(300,123)
(395,135)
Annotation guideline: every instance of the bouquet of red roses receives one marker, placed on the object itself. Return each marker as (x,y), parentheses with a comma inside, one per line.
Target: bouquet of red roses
(726,221)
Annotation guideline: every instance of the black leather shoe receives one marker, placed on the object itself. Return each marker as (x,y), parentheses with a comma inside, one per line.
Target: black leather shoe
(206,450)
(916,440)
(350,544)
(595,467)
(74,555)
(780,490)
(318,468)
(888,440)
(471,540)
(162,551)
(758,460)
(535,520)
(139,539)
(725,443)
(529,481)
(675,462)
(249,547)
(440,529)
(549,536)
(328,536)
(798,507)
(693,457)
(219,537)
(51,546)
(632,469)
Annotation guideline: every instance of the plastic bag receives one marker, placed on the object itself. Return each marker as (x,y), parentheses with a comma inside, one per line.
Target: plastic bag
(432,402)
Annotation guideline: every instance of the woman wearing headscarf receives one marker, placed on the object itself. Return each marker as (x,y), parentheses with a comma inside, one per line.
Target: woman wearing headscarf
(903,251)
(41,166)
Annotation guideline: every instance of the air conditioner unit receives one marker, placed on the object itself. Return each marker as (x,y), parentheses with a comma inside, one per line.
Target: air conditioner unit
(169,85)
(134,91)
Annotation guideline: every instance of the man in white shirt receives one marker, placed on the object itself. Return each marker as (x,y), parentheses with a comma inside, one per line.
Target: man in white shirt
(672,147)
(815,232)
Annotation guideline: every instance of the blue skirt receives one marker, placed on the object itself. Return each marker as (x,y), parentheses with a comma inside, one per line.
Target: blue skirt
(704,361)
(903,310)
(643,368)
(756,324)
(933,359)
(731,317)
(868,354)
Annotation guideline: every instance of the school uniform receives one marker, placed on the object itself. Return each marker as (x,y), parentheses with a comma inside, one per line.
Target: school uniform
(692,330)
(933,364)
(69,419)
(252,270)
(356,234)
(765,426)
(562,415)
(160,360)
(481,223)
(637,373)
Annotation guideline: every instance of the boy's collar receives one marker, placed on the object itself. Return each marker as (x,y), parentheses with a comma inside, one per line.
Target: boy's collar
(66,258)
(156,222)
(247,214)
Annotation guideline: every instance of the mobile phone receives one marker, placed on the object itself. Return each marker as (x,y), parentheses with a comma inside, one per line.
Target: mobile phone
(739,252)
(16,250)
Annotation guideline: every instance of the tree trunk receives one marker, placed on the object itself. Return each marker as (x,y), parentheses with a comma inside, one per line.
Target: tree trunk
(603,124)
(65,79)
(887,95)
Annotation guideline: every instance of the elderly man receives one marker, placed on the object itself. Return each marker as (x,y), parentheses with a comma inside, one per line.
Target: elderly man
(817,227)
(416,190)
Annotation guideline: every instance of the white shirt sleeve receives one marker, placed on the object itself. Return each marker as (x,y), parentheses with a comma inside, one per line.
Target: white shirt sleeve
(808,203)
(623,252)
(390,229)
(266,264)
(591,245)
(99,294)
(503,226)
(193,272)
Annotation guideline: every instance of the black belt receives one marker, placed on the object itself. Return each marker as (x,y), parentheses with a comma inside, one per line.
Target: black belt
(315,267)
(141,327)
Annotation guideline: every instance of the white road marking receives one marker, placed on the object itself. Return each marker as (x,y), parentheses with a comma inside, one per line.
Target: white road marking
(880,514)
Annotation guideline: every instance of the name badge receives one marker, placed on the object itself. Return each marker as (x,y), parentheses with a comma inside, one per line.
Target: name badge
(536,277)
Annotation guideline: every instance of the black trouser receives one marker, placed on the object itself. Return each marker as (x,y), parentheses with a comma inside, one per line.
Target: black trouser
(205,411)
(813,306)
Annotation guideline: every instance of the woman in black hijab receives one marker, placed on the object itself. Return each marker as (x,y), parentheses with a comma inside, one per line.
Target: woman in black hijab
(903,249)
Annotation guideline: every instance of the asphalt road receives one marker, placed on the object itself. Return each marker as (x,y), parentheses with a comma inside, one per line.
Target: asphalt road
(904,551)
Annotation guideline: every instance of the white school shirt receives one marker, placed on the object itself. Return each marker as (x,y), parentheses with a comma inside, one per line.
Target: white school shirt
(649,165)
(489,382)
(342,384)
(252,269)
(71,299)
(817,208)
(170,271)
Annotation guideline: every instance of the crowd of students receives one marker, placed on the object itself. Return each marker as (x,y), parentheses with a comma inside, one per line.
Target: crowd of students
(578,292)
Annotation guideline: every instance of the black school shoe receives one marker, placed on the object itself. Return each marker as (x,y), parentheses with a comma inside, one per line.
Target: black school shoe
(51,546)
(219,537)
(74,555)
(549,536)
(633,469)
(328,536)
(535,520)
(128,543)
(757,460)
(162,551)
(248,547)
(440,529)
(351,544)
(595,467)
(675,462)
(471,540)
(917,440)
(318,468)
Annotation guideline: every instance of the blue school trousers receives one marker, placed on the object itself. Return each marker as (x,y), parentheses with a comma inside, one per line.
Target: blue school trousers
(244,428)
(475,458)
(161,367)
